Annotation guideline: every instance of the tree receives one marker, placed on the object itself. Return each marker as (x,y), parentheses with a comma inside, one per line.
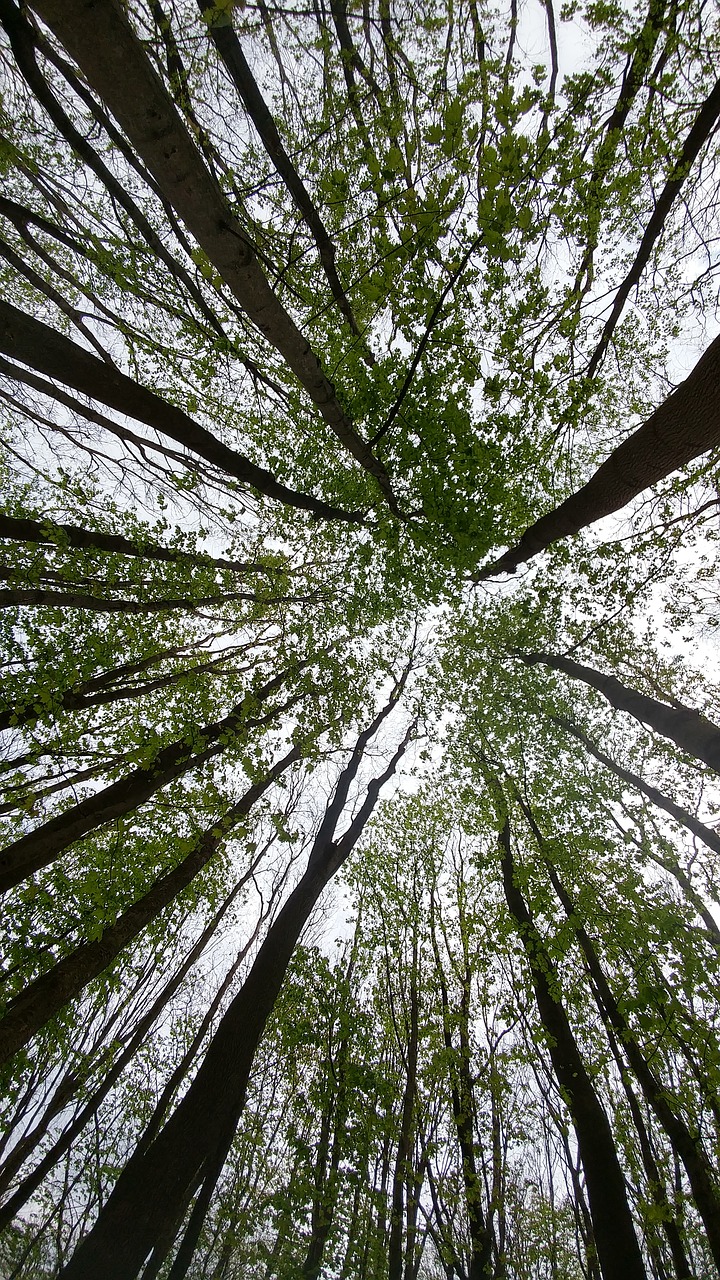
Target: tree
(308,313)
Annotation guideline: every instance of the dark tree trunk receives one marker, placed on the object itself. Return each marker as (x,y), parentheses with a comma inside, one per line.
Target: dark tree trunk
(48,532)
(687,728)
(49,993)
(697,1166)
(685,426)
(51,353)
(41,847)
(403,1159)
(706,834)
(156,1184)
(461,1090)
(230,50)
(617,1245)
(99,37)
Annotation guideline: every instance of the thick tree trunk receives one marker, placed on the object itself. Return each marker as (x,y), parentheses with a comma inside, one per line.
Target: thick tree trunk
(154,1188)
(49,993)
(617,1245)
(41,847)
(685,426)
(41,347)
(687,728)
(99,37)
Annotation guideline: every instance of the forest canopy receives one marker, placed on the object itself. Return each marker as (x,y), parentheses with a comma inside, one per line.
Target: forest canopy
(360,715)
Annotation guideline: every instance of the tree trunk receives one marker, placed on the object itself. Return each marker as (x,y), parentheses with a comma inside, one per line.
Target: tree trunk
(41,847)
(48,532)
(99,37)
(697,1166)
(708,836)
(51,353)
(685,426)
(151,1194)
(48,994)
(617,1246)
(687,728)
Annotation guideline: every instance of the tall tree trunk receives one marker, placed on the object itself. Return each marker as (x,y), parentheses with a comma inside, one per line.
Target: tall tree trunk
(51,353)
(48,532)
(706,834)
(685,726)
(461,1092)
(697,1166)
(48,994)
(685,426)
(403,1160)
(39,848)
(98,36)
(154,1188)
(617,1246)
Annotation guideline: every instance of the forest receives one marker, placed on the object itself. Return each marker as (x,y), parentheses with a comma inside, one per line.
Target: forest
(359,619)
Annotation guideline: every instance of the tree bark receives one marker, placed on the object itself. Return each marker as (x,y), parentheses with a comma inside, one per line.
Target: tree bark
(36,344)
(686,727)
(99,37)
(43,845)
(617,1246)
(694,1159)
(49,532)
(708,836)
(685,426)
(150,1196)
(49,993)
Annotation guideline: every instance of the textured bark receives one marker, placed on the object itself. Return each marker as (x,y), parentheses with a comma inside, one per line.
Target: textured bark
(687,728)
(150,1196)
(685,426)
(43,845)
(38,345)
(99,37)
(49,993)
(706,834)
(617,1246)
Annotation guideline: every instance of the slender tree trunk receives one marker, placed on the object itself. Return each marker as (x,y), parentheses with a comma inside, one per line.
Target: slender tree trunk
(617,1246)
(229,48)
(51,353)
(687,728)
(151,1194)
(461,1091)
(47,532)
(403,1159)
(49,993)
(685,426)
(694,1159)
(706,834)
(98,36)
(41,847)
